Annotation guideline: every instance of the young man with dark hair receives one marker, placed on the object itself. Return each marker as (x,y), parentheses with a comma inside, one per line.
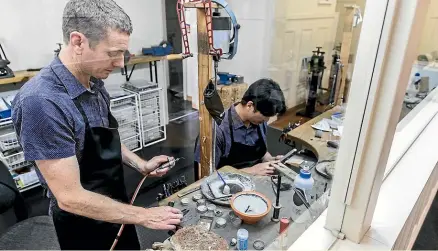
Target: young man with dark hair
(241,137)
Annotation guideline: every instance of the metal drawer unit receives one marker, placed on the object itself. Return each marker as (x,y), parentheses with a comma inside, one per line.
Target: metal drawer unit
(151,102)
(126,111)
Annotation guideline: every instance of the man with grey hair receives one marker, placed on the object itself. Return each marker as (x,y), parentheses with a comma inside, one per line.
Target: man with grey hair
(65,127)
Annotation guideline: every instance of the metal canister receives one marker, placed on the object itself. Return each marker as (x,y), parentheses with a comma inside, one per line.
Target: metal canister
(197,197)
(284,224)
(200,202)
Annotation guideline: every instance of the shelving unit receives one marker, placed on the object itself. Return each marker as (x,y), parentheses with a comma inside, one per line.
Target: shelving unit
(13,157)
(151,100)
(126,110)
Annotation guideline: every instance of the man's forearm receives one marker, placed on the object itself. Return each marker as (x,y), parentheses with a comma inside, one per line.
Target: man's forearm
(131,159)
(102,208)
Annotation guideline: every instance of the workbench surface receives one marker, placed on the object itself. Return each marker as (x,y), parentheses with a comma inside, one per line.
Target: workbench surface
(21,76)
(304,137)
(265,230)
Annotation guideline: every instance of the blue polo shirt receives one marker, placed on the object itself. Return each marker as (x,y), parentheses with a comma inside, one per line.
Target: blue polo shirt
(48,124)
(242,134)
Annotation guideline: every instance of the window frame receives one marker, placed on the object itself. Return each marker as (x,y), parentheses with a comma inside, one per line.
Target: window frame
(355,193)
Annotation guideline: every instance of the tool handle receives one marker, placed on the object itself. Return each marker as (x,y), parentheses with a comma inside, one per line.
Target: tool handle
(220,176)
(178,56)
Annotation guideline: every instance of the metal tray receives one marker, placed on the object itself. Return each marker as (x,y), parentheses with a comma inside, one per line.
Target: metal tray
(211,187)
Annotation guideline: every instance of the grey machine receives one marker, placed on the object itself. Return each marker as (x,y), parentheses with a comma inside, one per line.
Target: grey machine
(5,71)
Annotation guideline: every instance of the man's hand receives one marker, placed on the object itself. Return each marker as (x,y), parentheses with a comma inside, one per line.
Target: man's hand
(268,157)
(150,167)
(262,169)
(162,218)
(272,158)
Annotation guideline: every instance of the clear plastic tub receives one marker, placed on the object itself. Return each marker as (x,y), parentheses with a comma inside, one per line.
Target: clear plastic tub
(151,121)
(149,106)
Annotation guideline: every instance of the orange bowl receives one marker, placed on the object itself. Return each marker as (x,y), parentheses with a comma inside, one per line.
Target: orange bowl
(251,218)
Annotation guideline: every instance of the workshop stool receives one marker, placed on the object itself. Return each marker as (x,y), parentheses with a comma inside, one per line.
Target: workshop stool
(37,233)
(17,231)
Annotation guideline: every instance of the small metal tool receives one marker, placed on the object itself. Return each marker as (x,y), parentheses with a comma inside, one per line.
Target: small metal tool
(189,192)
(288,155)
(169,164)
(185,211)
(333,144)
(247,209)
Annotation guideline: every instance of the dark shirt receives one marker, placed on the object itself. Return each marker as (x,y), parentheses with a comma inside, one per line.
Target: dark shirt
(48,124)
(242,134)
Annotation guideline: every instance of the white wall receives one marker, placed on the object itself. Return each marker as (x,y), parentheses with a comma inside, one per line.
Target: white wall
(30,29)
(252,58)
(255,18)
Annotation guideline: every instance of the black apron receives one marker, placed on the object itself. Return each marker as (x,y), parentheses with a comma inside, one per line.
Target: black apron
(241,155)
(101,171)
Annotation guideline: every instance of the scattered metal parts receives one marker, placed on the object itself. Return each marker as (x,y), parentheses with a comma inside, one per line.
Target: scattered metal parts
(201,209)
(189,191)
(218,213)
(185,201)
(233,242)
(200,202)
(211,208)
(258,245)
(185,211)
(197,197)
(221,223)
(205,222)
